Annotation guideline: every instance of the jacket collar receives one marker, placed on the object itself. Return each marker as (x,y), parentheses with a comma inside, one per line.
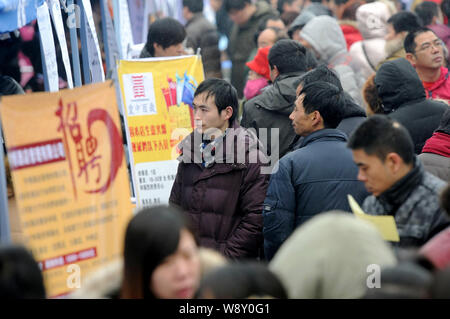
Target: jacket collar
(431,86)
(223,149)
(328,133)
(402,189)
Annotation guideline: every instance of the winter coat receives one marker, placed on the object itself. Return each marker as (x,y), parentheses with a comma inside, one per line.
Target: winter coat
(372,23)
(418,216)
(403,97)
(436,155)
(313,179)
(203,34)
(272,108)
(326,38)
(223,199)
(439,89)
(242,43)
(328,257)
(350,31)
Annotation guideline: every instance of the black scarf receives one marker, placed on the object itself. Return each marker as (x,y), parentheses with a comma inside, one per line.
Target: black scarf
(400,191)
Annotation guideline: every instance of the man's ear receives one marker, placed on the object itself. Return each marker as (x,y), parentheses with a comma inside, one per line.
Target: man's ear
(228,112)
(394,162)
(411,58)
(274,73)
(316,118)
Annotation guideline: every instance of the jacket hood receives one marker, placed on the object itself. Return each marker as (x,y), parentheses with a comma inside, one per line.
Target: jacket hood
(281,95)
(333,251)
(372,20)
(324,34)
(398,83)
(351,108)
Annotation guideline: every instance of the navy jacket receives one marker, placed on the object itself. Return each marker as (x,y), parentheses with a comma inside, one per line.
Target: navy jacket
(313,179)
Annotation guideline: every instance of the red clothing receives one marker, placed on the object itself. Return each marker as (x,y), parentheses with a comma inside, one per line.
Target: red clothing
(439,89)
(437,250)
(438,144)
(351,34)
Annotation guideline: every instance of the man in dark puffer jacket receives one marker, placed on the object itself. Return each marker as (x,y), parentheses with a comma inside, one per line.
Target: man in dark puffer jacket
(319,175)
(219,182)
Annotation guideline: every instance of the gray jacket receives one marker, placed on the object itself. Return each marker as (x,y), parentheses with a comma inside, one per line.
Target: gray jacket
(437,165)
(271,109)
(419,217)
(325,36)
(203,34)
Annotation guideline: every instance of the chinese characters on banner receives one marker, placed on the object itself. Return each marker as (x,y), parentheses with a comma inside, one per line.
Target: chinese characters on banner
(70,178)
(158,95)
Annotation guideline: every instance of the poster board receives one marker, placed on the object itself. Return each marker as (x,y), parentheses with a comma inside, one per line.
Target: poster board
(70,179)
(157,95)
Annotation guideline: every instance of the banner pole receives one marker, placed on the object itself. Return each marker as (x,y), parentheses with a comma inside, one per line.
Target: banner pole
(5,233)
(74,44)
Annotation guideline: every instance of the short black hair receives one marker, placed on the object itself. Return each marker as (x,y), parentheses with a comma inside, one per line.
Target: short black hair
(426,11)
(193,5)
(235,4)
(321,73)
(409,43)
(380,135)
(165,32)
(288,56)
(223,92)
(405,21)
(20,275)
(281,3)
(326,98)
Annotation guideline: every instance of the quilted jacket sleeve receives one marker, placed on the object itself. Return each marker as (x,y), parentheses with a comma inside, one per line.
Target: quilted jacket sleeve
(279,210)
(246,241)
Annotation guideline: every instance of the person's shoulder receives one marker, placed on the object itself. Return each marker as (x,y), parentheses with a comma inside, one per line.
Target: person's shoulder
(432,184)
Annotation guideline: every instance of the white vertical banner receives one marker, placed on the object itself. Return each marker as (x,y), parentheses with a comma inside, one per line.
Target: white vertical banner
(113,49)
(95,58)
(138,19)
(123,27)
(55,11)
(48,47)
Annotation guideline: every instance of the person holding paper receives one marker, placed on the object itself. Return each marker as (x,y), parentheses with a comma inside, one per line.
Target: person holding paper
(384,152)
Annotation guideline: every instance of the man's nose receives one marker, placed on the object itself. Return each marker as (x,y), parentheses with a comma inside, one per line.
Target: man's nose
(361,176)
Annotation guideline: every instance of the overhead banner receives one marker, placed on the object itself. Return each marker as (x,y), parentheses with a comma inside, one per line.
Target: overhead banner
(157,96)
(70,179)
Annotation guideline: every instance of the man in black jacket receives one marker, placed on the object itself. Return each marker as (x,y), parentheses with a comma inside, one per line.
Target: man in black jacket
(271,109)
(403,97)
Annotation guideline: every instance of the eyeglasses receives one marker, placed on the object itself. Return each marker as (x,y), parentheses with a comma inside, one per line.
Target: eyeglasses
(427,46)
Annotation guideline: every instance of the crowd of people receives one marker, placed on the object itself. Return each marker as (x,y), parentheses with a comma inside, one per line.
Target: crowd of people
(325,99)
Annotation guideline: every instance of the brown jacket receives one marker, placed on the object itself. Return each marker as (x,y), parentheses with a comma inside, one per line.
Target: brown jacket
(224,200)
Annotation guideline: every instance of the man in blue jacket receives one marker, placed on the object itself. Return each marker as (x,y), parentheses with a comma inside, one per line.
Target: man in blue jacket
(316,177)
